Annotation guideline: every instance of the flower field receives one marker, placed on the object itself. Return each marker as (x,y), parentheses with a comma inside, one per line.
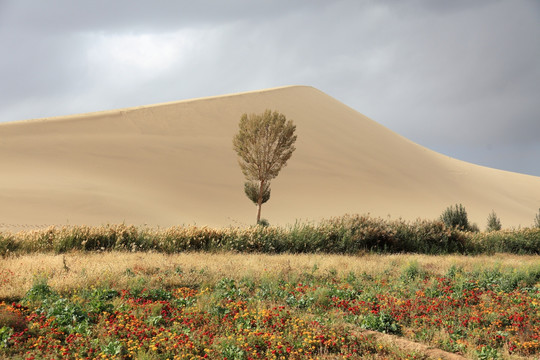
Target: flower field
(487,313)
(178,324)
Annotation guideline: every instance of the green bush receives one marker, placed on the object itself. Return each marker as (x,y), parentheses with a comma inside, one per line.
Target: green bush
(40,291)
(521,241)
(487,352)
(382,322)
(493,222)
(429,237)
(456,217)
(7,245)
(412,271)
(5,335)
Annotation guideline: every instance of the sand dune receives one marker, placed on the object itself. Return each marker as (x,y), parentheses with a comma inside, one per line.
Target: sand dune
(172,164)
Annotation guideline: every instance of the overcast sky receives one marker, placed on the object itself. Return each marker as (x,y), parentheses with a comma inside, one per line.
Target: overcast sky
(461,77)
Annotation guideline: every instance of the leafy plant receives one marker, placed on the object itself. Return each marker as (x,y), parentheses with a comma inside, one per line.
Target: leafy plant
(251,189)
(382,322)
(456,217)
(263,223)
(5,335)
(453,270)
(156,294)
(155,320)
(112,348)
(412,271)
(39,291)
(493,222)
(64,313)
(226,288)
(487,352)
(233,352)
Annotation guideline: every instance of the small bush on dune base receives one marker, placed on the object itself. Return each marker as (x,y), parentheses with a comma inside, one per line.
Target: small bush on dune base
(456,217)
(537,220)
(493,222)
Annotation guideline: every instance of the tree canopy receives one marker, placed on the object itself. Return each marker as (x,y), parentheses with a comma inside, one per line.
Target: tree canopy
(252,191)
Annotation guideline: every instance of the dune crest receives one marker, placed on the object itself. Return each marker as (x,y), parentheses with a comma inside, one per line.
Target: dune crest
(173,164)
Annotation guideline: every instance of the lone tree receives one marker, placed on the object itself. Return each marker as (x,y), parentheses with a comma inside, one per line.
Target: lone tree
(263,143)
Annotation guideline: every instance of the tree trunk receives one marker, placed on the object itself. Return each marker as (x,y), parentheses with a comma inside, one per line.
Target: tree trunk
(259,206)
(259,201)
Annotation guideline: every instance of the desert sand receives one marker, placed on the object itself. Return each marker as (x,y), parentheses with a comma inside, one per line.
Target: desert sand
(173,164)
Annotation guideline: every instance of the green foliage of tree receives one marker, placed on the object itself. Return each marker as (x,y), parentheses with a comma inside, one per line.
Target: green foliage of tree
(493,222)
(264,144)
(456,217)
(252,191)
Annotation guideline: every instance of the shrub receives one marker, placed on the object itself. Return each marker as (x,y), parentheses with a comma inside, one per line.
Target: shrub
(382,322)
(354,233)
(487,352)
(493,222)
(40,291)
(7,244)
(456,217)
(5,335)
(537,220)
(522,241)
(429,237)
(412,271)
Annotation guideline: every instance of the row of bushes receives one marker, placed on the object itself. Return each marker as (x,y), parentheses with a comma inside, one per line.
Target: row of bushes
(456,216)
(344,235)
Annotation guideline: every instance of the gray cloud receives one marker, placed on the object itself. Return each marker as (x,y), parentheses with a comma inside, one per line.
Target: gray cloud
(459,77)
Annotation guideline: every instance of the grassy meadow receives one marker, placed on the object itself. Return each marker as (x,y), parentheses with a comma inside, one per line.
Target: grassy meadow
(354,292)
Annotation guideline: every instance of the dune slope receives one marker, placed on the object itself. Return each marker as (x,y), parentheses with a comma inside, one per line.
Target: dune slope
(173,164)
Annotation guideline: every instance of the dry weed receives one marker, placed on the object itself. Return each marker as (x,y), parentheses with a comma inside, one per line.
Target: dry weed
(121,269)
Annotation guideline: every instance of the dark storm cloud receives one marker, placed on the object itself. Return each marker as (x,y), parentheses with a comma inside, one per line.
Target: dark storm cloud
(464,77)
(460,77)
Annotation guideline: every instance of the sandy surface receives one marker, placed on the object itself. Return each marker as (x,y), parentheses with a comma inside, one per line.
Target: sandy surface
(173,163)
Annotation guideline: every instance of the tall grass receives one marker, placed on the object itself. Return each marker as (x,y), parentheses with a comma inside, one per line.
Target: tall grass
(351,234)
